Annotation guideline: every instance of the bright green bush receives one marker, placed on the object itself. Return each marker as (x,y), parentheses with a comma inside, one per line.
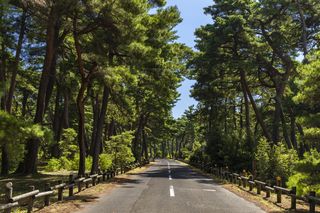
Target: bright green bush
(53,165)
(119,146)
(262,157)
(65,163)
(306,175)
(105,161)
(68,143)
(14,132)
(60,164)
(273,161)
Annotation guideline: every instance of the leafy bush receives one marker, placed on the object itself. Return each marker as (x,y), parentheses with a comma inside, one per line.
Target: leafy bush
(53,165)
(68,145)
(119,146)
(14,132)
(306,175)
(273,161)
(105,161)
(262,157)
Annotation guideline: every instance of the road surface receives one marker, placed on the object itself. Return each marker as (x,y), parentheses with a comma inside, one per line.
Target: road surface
(169,186)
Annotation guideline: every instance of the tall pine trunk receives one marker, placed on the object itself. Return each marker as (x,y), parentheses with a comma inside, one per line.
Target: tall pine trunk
(81,129)
(254,106)
(16,61)
(98,137)
(32,146)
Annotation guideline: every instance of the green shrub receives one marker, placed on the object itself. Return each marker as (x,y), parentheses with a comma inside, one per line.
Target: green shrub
(88,162)
(65,163)
(306,175)
(119,146)
(273,161)
(53,165)
(262,157)
(105,161)
(75,162)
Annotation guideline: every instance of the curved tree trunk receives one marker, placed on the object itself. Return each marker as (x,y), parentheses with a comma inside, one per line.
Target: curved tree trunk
(254,106)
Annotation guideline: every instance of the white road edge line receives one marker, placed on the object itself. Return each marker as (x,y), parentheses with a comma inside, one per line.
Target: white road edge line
(171,191)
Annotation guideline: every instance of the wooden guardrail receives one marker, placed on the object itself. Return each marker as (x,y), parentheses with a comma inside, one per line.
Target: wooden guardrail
(28,199)
(311,199)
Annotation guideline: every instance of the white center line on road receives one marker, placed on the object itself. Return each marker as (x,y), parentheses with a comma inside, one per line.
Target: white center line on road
(209,190)
(171,191)
(170,178)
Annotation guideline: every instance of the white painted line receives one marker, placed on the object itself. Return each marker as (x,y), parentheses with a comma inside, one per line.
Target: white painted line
(170,178)
(209,190)
(171,191)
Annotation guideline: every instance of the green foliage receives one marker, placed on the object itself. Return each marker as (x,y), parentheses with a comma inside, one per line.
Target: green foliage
(274,161)
(105,161)
(262,157)
(53,165)
(67,144)
(66,164)
(308,82)
(14,132)
(186,154)
(119,146)
(306,176)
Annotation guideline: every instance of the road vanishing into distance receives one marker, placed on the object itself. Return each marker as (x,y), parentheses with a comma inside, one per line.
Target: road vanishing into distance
(169,186)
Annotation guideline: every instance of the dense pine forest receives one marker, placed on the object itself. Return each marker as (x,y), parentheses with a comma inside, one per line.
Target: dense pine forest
(89,85)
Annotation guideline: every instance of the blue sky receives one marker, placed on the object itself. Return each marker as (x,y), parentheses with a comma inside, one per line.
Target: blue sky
(193,17)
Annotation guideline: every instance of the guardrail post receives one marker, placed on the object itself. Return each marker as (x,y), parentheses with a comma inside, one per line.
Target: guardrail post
(279,192)
(312,202)
(87,182)
(8,195)
(267,193)
(293,194)
(250,184)
(31,201)
(258,188)
(94,181)
(60,192)
(79,186)
(47,198)
(71,181)
(104,175)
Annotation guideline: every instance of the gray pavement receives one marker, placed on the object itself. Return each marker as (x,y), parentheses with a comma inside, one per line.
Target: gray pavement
(169,186)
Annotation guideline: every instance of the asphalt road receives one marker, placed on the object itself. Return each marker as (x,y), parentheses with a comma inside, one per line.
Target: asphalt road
(169,186)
